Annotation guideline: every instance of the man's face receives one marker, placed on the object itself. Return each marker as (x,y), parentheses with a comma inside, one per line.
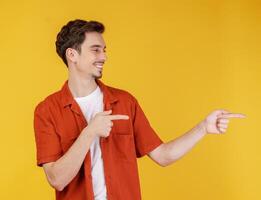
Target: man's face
(89,63)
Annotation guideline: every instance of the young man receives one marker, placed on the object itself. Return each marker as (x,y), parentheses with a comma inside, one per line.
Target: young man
(88,135)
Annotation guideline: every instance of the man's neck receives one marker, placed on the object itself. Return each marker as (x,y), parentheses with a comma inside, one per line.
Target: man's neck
(81,87)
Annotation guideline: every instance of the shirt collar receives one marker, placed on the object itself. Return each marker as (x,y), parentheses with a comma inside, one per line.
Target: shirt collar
(68,99)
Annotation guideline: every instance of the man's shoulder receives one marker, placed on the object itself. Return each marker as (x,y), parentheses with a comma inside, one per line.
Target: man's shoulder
(122,94)
(49,101)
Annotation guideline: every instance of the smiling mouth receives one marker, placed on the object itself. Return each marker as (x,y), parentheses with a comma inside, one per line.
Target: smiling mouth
(99,65)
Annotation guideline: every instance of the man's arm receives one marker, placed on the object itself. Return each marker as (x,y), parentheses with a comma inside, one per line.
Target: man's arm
(169,152)
(61,172)
(215,123)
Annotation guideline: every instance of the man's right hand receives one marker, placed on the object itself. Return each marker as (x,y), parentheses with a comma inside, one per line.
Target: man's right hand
(101,123)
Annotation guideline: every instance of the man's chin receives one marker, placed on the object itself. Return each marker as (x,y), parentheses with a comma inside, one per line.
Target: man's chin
(97,76)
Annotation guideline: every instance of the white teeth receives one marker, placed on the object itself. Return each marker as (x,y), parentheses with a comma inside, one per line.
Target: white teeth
(99,66)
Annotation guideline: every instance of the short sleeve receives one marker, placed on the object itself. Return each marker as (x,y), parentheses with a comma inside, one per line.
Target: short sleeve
(48,145)
(146,139)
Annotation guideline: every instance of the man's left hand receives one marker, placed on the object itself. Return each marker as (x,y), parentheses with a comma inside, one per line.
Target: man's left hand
(217,121)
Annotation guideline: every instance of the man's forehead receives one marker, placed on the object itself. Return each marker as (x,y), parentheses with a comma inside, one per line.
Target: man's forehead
(94,39)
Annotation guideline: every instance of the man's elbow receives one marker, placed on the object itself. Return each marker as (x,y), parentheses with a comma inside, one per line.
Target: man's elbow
(57,186)
(162,156)
(53,179)
(164,163)
(161,161)
(55,183)
(166,160)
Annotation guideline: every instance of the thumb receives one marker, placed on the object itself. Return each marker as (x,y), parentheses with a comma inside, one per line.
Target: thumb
(222,111)
(107,112)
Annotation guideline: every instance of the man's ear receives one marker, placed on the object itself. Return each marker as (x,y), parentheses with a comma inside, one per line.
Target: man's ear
(71,55)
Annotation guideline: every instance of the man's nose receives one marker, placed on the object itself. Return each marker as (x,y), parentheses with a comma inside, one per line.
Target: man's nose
(103,56)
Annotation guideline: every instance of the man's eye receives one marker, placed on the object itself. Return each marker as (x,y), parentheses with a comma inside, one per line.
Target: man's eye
(98,50)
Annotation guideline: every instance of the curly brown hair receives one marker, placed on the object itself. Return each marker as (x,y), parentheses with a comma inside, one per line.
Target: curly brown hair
(72,35)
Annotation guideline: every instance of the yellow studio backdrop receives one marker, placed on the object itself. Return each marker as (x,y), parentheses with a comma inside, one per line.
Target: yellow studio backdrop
(181,59)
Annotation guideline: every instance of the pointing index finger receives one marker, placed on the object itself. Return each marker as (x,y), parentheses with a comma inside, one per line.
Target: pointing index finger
(232,115)
(117,117)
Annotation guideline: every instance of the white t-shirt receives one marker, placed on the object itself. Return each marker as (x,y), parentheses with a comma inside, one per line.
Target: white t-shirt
(90,105)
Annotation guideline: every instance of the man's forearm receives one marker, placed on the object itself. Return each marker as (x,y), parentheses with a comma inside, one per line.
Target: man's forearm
(175,149)
(65,168)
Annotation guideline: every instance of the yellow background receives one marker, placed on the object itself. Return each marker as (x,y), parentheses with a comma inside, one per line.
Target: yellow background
(181,59)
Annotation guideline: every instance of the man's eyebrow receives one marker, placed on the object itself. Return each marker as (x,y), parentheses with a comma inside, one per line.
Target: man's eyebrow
(97,45)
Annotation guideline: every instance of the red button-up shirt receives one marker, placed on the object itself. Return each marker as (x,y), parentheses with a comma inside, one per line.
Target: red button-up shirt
(58,121)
